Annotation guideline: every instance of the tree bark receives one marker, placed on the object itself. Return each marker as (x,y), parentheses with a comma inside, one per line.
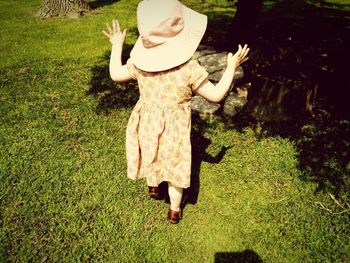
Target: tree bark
(63,8)
(243,25)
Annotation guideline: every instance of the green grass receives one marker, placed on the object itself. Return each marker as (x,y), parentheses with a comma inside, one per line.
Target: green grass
(64,193)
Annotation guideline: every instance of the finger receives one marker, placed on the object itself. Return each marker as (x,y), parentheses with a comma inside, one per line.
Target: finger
(110,31)
(242,52)
(118,25)
(246,52)
(244,48)
(239,47)
(229,57)
(114,26)
(245,59)
(124,32)
(238,52)
(106,34)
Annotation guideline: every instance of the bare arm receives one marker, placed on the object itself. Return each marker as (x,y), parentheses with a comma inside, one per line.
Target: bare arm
(217,93)
(117,70)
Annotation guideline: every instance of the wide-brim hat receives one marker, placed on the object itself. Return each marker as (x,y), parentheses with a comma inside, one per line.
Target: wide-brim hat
(169,32)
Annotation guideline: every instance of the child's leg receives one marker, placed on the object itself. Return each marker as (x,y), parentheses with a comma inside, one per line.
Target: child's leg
(175,194)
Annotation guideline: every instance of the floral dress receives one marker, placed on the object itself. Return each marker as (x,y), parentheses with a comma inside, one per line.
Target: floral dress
(158,143)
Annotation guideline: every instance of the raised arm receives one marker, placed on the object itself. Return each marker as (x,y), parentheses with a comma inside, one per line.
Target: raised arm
(217,93)
(118,72)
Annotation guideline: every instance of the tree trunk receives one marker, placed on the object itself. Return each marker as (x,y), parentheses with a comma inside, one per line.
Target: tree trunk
(243,25)
(63,8)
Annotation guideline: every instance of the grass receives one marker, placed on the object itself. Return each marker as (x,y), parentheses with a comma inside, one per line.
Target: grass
(64,192)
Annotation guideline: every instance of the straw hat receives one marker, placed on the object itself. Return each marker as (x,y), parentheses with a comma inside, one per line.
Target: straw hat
(169,34)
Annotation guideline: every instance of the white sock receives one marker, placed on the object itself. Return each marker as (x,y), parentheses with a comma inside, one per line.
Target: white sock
(175,194)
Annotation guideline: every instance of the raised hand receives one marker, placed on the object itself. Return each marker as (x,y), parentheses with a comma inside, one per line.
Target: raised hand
(115,34)
(233,61)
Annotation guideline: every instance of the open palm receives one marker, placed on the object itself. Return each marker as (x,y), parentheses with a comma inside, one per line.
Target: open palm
(115,35)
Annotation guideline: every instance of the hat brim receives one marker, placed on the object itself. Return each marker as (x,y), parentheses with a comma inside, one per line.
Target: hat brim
(176,50)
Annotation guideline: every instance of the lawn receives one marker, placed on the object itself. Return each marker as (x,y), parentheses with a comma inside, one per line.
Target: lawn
(64,193)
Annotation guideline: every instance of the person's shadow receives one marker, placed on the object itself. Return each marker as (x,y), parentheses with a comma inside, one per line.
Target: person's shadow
(199,154)
(199,145)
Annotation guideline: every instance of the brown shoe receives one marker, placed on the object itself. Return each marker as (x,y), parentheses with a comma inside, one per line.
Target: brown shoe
(174,216)
(154,193)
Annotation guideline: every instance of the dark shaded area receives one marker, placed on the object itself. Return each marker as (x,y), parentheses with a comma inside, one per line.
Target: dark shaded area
(246,256)
(199,145)
(99,3)
(216,35)
(300,88)
(324,145)
(112,95)
(242,29)
(299,56)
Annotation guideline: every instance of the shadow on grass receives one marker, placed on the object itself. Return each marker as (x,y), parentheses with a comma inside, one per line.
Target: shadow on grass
(219,23)
(199,145)
(322,142)
(98,3)
(246,256)
(112,95)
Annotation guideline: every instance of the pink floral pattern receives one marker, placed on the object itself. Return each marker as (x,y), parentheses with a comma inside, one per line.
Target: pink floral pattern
(158,143)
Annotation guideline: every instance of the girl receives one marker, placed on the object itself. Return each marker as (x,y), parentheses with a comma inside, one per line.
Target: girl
(158,133)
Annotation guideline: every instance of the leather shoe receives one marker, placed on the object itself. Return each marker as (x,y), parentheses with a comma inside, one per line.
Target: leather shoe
(174,216)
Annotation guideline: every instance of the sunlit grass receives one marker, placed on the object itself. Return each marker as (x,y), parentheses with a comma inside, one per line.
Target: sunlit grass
(64,193)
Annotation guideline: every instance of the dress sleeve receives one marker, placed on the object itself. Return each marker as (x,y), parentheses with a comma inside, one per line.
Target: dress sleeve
(131,69)
(198,75)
